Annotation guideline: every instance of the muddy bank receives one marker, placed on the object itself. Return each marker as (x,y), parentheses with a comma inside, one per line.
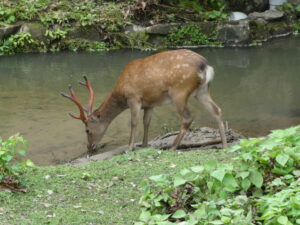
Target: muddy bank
(201,139)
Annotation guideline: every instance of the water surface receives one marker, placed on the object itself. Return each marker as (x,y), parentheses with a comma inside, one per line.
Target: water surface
(258,90)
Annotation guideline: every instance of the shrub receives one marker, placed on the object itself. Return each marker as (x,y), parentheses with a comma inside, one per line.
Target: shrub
(10,150)
(260,186)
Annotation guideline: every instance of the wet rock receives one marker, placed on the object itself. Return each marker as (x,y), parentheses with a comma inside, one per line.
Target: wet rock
(162,29)
(8,30)
(247,6)
(36,30)
(279,28)
(259,30)
(267,15)
(134,29)
(235,16)
(234,33)
(90,33)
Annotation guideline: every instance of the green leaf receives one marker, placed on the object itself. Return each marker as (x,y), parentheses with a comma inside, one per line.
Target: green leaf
(296,173)
(179,181)
(184,172)
(283,220)
(210,165)
(246,184)
(298,8)
(218,174)
(179,214)
(230,182)
(197,169)
(29,163)
(22,152)
(256,178)
(145,216)
(282,159)
(243,175)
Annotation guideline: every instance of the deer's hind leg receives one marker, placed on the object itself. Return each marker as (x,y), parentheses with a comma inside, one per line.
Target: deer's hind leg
(180,102)
(204,97)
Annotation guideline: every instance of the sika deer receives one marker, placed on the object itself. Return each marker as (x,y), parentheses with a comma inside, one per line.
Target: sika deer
(171,76)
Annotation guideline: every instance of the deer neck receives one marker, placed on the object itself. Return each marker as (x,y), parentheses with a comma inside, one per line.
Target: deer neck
(111,107)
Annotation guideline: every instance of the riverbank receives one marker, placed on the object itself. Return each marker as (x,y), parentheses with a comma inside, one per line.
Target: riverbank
(50,26)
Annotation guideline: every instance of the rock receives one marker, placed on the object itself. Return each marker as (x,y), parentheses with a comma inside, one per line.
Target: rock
(275,3)
(259,30)
(6,31)
(295,2)
(267,15)
(162,29)
(234,33)
(247,6)
(90,33)
(279,28)
(36,30)
(235,16)
(134,29)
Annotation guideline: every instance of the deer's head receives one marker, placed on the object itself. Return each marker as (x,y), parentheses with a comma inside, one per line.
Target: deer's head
(95,127)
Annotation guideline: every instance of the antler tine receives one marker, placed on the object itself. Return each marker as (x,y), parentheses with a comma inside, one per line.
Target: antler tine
(87,83)
(74,99)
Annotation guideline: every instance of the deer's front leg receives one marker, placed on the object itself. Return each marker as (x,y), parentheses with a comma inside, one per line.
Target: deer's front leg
(135,107)
(146,120)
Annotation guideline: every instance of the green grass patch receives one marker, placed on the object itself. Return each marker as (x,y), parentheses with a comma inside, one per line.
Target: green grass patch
(103,193)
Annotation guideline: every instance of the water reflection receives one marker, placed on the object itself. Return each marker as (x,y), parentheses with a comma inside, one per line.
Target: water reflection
(257,88)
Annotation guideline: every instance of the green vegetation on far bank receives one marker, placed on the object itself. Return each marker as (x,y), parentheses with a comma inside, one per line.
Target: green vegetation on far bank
(90,25)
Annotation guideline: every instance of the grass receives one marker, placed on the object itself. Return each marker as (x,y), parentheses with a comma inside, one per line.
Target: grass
(105,193)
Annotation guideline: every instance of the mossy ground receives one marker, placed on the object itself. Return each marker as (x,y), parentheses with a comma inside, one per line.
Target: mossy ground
(105,193)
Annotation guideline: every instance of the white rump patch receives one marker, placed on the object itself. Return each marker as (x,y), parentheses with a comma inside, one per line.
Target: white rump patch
(209,74)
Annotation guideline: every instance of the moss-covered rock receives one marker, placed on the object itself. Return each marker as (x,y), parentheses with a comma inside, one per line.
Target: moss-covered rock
(259,30)
(236,33)
(36,30)
(279,28)
(7,30)
(90,33)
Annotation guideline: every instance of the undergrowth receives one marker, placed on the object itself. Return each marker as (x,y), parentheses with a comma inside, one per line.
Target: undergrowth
(260,186)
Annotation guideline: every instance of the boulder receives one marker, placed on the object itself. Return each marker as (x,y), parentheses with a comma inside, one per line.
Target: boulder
(267,15)
(247,6)
(231,34)
(259,30)
(134,29)
(7,30)
(162,29)
(90,33)
(36,30)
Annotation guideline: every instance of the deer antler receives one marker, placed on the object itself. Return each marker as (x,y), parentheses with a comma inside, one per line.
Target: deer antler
(74,99)
(87,83)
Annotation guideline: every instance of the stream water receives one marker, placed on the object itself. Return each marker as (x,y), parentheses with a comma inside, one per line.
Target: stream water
(257,88)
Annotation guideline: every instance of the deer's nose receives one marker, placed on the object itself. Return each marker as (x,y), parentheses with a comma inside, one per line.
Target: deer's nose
(91,147)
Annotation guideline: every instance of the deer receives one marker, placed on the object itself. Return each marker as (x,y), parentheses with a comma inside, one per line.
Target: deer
(166,77)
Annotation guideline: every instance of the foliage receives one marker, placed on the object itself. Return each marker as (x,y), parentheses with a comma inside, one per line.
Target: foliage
(9,150)
(83,45)
(190,34)
(261,186)
(20,42)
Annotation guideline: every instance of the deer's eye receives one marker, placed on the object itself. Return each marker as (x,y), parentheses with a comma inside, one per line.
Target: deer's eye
(87,131)
(98,116)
